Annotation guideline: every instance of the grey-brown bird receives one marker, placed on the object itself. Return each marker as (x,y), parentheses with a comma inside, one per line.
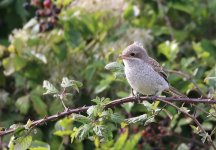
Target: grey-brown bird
(143,73)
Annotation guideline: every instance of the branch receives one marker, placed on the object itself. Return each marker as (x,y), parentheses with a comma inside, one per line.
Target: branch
(189,78)
(111,105)
(194,119)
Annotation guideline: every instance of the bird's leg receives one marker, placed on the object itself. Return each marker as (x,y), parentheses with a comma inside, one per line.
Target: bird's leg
(137,96)
(132,91)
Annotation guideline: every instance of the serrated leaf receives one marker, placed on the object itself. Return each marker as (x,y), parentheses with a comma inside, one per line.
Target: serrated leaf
(22,143)
(137,119)
(114,66)
(81,118)
(83,131)
(96,100)
(149,120)
(115,117)
(49,87)
(98,129)
(39,145)
(91,110)
(22,104)
(105,101)
(103,132)
(66,82)
(101,101)
(71,83)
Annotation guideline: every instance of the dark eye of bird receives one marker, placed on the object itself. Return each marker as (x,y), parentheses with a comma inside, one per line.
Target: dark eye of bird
(132,54)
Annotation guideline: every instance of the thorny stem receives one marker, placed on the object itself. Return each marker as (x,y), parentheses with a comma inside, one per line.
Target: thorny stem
(118,102)
(194,119)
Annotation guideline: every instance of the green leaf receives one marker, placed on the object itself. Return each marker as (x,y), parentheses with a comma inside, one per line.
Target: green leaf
(128,106)
(49,87)
(63,132)
(121,141)
(80,118)
(101,101)
(23,104)
(83,131)
(39,145)
(169,49)
(39,106)
(103,132)
(22,143)
(119,75)
(184,121)
(19,62)
(13,63)
(19,130)
(8,66)
(11,143)
(149,120)
(91,110)
(64,124)
(115,117)
(137,119)
(132,142)
(183,7)
(115,66)
(71,83)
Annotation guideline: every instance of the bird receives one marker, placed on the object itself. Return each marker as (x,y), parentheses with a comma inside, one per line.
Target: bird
(143,73)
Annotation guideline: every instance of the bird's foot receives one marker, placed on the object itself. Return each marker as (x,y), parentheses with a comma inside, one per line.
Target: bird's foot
(137,97)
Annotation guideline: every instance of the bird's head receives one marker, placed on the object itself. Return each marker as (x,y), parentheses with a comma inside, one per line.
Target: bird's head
(134,53)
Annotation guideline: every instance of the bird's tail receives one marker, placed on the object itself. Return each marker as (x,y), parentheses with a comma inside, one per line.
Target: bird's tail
(175,92)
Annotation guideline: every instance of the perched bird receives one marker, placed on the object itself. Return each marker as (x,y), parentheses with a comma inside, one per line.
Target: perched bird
(143,73)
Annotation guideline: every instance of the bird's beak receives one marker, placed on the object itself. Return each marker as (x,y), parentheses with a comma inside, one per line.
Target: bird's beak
(123,56)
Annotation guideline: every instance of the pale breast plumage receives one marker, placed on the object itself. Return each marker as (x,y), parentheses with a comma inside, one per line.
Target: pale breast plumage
(144,79)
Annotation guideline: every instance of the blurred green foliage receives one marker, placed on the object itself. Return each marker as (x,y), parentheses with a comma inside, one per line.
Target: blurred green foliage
(179,34)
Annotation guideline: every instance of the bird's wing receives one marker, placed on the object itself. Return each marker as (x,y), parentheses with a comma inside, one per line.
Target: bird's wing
(156,66)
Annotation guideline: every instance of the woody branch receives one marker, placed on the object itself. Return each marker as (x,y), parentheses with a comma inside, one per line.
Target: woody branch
(111,105)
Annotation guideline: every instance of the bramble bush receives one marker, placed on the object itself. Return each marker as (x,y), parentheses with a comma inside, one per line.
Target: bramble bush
(62,54)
